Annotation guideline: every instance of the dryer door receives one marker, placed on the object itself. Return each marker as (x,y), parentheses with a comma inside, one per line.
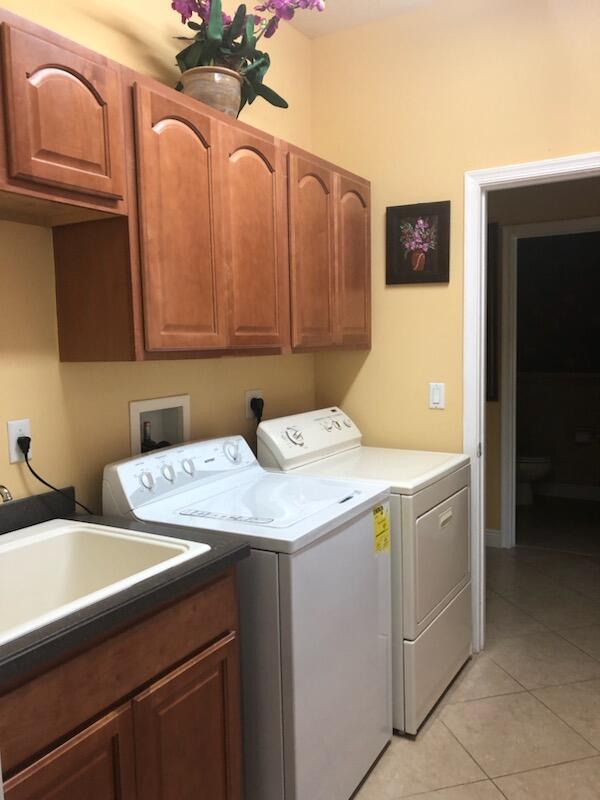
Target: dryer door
(440,560)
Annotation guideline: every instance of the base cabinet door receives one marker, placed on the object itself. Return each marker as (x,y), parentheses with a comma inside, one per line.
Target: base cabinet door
(64,117)
(187,730)
(353,261)
(96,764)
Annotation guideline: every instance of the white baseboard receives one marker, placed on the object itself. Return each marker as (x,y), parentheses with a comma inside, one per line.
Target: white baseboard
(569,491)
(493,538)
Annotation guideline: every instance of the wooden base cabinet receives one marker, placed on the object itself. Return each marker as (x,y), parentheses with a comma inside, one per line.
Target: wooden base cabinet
(175,737)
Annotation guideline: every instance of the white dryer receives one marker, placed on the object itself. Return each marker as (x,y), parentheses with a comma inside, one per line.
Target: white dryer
(314,606)
(431,580)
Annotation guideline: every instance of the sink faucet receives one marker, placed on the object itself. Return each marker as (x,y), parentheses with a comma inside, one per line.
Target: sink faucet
(5,494)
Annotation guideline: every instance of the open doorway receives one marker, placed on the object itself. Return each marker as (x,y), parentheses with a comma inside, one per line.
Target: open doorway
(479,185)
(543,410)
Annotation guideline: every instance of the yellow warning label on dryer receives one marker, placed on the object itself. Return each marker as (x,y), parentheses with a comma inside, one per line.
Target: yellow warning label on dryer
(381,528)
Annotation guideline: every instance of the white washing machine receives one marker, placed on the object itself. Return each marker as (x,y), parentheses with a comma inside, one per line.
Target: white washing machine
(315,602)
(431,580)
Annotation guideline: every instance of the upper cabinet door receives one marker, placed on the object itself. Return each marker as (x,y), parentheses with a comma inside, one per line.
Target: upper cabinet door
(64,117)
(183,306)
(253,232)
(312,268)
(353,261)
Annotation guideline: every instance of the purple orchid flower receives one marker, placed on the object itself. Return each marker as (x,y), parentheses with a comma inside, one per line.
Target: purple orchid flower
(186,8)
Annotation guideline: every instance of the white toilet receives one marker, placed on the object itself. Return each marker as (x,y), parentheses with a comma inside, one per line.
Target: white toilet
(530,470)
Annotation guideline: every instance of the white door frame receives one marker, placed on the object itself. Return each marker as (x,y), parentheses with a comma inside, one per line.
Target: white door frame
(477,185)
(508,334)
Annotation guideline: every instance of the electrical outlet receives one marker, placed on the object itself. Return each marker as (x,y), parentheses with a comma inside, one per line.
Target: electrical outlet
(249,396)
(16,428)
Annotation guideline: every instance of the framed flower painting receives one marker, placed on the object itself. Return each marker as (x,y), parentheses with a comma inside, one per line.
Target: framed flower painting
(418,243)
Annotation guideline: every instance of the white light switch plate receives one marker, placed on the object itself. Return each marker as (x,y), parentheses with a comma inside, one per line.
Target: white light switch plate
(16,428)
(437,395)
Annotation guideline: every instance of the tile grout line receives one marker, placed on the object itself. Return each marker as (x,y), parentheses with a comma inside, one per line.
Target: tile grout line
(471,756)
(545,766)
(565,722)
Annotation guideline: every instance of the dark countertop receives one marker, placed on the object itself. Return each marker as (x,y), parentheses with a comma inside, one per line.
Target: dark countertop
(39,650)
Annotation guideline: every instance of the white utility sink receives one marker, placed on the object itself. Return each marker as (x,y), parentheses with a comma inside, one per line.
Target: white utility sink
(50,570)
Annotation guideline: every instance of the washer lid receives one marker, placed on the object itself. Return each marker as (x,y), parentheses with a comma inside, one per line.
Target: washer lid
(407,471)
(271,501)
(273,511)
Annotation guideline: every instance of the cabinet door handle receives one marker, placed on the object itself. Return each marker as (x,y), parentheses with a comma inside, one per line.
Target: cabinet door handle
(445,518)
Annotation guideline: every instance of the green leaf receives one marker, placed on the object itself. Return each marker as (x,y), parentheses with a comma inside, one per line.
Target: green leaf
(190,56)
(194,26)
(237,25)
(215,22)
(256,71)
(270,96)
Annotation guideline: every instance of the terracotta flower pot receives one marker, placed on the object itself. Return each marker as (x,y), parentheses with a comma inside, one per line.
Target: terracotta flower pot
(218,87)
(417,260)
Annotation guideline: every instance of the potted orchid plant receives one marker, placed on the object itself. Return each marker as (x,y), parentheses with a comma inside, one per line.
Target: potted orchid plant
(418,239)
(221,64)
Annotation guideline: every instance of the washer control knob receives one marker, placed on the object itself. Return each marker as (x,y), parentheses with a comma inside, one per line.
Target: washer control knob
(168,472)
(347,423)
(188,466)
(337,424)
(328,425)
(147,480)
(231,449)
(295,436)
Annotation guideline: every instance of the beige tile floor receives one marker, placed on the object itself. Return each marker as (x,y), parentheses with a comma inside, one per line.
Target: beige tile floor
(522,719)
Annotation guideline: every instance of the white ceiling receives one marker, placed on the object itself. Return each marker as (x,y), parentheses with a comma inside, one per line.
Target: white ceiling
(341,14)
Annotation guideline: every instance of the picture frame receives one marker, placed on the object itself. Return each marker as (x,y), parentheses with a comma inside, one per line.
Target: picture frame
(418,243)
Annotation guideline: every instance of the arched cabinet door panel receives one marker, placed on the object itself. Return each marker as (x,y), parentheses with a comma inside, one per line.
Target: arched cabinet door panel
(312,265)
(353,261)
(64,117)
(183,306)
(253,232)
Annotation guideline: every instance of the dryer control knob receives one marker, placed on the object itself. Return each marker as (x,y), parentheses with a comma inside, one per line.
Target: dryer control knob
(168,472)
(347,423)
(295,436)
(147,480)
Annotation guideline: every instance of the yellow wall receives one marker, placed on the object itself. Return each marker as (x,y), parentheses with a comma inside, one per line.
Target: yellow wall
(412,103)
(79,412)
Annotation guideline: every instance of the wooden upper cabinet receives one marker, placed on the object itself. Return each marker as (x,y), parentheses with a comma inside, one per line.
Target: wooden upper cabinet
(312,258)
(181,274)
(253,231)
(97,764)
(64,117)
(353,261)
(188,730)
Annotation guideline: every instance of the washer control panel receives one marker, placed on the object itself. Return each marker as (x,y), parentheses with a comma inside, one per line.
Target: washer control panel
(293,441)
(148,476)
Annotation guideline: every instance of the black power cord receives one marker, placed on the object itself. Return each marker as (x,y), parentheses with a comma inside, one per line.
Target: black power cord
(24,443)
(257,404)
